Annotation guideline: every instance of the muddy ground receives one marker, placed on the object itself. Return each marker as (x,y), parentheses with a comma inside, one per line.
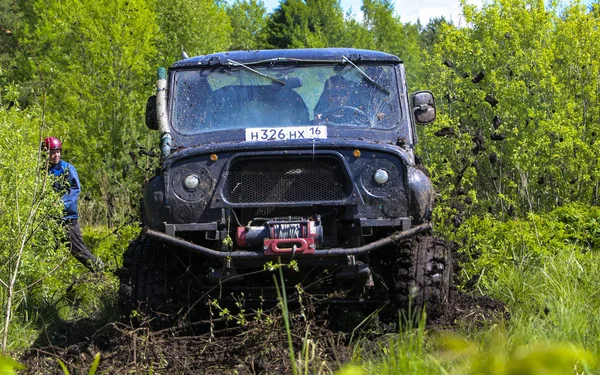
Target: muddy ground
(258,346)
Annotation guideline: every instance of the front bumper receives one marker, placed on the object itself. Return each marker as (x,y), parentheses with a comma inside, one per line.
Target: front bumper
(257,255)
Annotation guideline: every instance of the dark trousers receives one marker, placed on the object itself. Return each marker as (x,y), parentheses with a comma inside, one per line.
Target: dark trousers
(78,248)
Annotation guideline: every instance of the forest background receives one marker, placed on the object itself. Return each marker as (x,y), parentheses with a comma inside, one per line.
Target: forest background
(514,153)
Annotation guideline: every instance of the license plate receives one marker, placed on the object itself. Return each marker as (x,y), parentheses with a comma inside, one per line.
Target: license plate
(286,133)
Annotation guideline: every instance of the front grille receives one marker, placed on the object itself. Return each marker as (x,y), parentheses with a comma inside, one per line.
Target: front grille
(286,179)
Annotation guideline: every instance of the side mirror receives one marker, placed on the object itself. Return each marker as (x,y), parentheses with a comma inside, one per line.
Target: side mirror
(151,117)
(423,107)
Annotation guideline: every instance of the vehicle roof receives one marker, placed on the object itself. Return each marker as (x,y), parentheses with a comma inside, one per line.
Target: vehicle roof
(319,54)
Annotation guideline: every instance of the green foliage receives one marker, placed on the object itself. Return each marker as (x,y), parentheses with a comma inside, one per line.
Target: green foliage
(306,24)
(71,294)
(197,27)
(89,61)
(283,302)
(10,19)
(92,370)
(493,247)
(545,269)
(9,366)
(36,269)
(496,355)
(351,370)
(95,364)
(516,90)
(248,24)
(404,352)
(63,367)
(223,312)
(29,211)
(389,34)
(492,351)
(109,244)
(356,35)
(430,34)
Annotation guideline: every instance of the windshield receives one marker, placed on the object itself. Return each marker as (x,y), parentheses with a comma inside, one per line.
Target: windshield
(240,96)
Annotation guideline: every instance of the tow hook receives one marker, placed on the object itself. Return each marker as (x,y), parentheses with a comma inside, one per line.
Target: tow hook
(357,271)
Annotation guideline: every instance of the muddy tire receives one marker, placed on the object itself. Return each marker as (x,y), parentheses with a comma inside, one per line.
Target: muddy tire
(147,282)
(421,275)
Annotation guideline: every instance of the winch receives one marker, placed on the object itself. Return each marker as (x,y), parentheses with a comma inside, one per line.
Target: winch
(282,236)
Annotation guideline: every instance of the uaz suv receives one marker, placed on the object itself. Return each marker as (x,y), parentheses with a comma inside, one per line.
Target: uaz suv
(286,155)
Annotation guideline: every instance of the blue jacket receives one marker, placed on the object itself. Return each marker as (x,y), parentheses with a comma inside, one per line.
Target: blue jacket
(67,181)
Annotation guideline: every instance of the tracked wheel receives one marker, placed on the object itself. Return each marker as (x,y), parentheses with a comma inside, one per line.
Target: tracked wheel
(147,282)
(161,285)
(420,275)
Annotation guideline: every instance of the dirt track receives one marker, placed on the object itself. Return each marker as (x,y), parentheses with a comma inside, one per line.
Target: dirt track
(259,346)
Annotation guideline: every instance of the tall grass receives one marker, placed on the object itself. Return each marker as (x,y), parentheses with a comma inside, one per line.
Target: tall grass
(405,352)
(281,294)
(551,287)
(545,269)
(558,300)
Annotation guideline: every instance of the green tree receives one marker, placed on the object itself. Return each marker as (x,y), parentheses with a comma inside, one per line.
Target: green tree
(11,23)
(248,24)
(430,33)
(29,216)
(518,125)
(10,18)
(386,29)
(196,27)
(390,35)
(306,24)
(356,35)
(89,60)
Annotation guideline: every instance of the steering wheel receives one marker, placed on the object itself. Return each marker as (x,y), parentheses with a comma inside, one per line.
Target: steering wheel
(345,114)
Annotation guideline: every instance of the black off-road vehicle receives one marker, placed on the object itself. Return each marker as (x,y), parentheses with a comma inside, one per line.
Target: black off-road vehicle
(281,155)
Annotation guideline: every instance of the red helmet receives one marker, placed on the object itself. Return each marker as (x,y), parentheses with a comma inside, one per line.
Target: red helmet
(52,143)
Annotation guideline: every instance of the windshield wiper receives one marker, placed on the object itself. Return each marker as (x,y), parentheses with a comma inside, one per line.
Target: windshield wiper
(369,79)
(235,63)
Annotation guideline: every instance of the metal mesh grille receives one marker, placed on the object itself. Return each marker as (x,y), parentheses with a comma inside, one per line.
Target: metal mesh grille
(281,180)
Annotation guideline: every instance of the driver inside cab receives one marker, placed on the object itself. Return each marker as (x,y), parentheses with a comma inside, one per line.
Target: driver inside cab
(336,95)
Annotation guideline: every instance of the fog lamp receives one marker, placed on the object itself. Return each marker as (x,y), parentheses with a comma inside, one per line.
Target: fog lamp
(381,176)
(191,182)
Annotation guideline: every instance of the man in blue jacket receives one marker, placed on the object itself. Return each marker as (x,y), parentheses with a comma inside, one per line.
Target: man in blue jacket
(67,182)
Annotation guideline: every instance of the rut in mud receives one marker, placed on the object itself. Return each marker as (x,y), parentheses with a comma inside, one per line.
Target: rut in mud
(259,345)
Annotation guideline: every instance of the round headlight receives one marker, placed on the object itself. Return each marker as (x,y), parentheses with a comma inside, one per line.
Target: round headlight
(191,182)
(381,176)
